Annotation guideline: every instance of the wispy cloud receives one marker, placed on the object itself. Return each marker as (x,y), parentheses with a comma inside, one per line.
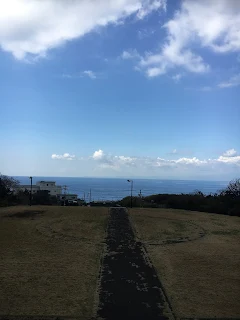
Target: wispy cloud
(177,77)
(145,33)
(65,156)
(230,153)
(130,54)
(90,74)
(87,73)
(227,161)
(151,6)
(230,160)
(114,162)
(187,35)
(232,82)
(108,160)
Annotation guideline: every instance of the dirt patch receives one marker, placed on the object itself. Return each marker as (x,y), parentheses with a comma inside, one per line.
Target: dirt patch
(129,286)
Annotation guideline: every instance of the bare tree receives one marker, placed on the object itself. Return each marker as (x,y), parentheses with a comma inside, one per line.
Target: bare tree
(7,186)
(233,189)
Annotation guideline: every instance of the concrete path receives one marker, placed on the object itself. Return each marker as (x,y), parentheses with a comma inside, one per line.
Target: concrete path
(129,286)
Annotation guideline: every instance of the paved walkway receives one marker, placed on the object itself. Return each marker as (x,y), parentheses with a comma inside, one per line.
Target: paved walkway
(129,287)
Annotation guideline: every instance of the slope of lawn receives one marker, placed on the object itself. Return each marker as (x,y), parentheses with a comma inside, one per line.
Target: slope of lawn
(197,258)
(49,259)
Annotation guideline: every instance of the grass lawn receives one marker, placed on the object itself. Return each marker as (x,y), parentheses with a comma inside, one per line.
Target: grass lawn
(49,259)
(197,258)
(50,256)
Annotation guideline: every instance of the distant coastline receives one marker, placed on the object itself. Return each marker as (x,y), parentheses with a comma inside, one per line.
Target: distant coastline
(118,188)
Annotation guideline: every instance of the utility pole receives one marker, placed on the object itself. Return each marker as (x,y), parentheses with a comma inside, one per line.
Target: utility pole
(140,196)
(30,192)
(65,192)
(90,196)
(131,190)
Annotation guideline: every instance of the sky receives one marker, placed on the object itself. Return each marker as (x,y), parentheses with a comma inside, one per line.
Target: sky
(120,88)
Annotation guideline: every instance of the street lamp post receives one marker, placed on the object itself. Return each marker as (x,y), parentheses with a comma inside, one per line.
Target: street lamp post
(31,192)
(131,190)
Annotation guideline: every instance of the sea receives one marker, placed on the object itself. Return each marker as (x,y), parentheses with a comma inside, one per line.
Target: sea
(105,189)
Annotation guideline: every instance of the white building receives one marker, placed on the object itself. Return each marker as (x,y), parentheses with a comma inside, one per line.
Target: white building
(27,187)
(50,186)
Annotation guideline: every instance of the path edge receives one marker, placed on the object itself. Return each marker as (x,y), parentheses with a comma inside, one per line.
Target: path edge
(147,257)
(99,277)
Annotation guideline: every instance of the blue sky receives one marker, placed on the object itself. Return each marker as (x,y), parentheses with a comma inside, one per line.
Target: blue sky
(128,88)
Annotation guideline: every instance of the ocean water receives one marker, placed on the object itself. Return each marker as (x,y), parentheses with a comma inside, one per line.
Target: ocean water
(115,189)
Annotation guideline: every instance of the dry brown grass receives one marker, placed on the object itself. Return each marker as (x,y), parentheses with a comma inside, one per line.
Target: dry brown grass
(201,276)
(49,261)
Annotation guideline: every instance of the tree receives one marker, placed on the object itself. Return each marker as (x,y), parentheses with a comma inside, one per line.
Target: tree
(7,186)
(41,197)
(233,189)
(198,193)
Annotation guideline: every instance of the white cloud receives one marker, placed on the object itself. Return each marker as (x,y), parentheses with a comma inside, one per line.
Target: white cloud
(87,73)
(117,162)
(197,24)
(90,74)
(145,33)
(153,72)
(97,155)
(131,54)
(129,161)
(230,153)
(229,157)
(220,30)
(65,156)
(232,82)
(152,6)
(110,161)
(171,57)
(230,160)
(34,27)
(160,162)
(193,161)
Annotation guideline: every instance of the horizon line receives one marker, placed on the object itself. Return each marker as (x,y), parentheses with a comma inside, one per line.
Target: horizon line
(125,177)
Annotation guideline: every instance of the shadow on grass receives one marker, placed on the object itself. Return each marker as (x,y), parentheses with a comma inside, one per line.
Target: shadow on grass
(25,214)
